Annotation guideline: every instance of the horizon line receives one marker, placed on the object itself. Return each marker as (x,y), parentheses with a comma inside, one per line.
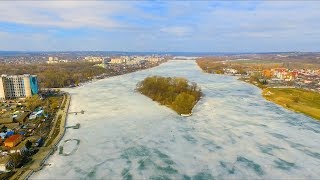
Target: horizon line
(218,52)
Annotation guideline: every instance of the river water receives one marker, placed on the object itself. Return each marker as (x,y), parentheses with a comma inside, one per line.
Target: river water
(233,133)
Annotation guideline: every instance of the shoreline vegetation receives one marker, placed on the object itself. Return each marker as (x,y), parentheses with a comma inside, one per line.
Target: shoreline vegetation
(176,93)
(58,75)
(294,99)
(298,100)
(71,74)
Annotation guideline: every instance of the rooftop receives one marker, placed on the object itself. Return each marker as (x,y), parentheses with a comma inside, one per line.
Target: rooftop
(24,75)
(13,138)
(4,159)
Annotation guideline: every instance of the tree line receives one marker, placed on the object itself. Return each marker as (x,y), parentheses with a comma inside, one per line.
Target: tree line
(216,65)
(56,75)
(177,93)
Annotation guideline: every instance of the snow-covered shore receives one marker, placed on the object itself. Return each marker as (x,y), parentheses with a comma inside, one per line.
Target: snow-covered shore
(233,133)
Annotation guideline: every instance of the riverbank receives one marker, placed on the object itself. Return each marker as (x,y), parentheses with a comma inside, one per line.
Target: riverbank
(50,145)
(294,99)
(298,100)
(124,134)
(56,134)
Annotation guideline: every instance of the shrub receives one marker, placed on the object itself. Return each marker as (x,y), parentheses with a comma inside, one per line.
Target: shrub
(296,99)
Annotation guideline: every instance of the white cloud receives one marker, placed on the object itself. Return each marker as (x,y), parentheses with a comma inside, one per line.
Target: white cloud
(177,30)
(65,14)
(181,26)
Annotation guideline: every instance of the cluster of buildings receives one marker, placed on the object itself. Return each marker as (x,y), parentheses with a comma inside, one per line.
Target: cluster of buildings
(15,130)
(301,78)
(18,128)
(281,73)
(230,71)
(13,140)
(279,77)
(14,87)
(133,60)
(22,132)
(93,59)
(10,142)
(18,86)
(129,60)
(23,59)
(54,60)
(120,60)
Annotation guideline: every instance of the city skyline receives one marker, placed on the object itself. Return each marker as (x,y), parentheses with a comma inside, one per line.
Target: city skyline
(140,26)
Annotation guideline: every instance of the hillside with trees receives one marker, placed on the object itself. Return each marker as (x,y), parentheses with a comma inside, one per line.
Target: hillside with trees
(217,65)
(69,74)
(176,93)
(56,75)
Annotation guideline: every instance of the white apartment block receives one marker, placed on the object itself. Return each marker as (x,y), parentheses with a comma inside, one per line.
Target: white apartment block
(118,61)
(18,86)
(94,59)
(54,60)
(153,59)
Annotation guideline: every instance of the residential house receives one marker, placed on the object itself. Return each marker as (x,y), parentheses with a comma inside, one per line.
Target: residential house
(5,162)
(13,140)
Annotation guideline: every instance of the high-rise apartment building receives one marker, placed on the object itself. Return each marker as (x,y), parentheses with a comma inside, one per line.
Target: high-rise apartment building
(18,86)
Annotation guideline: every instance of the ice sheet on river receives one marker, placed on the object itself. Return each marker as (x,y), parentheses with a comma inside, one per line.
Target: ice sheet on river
(234,133)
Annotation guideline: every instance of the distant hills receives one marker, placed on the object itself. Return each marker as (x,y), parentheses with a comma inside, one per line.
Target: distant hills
(109,53)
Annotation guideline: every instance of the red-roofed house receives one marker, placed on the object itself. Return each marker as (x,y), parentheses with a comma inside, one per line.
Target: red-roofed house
(280,72)
(13,140)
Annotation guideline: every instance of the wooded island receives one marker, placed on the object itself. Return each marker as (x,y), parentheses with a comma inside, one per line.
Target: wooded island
(176,93)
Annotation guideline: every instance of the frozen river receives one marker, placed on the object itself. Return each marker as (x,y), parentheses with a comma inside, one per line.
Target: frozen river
(234,133)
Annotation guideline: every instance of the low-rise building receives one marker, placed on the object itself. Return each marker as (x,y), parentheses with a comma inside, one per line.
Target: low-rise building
(93,59)
(36,114)
(118,61)
(5,163)
(133,62)
(13,140)
(3,135)
(153,59)
(104,62)
(267,73)
(6,120)
(230,71)
(54,60)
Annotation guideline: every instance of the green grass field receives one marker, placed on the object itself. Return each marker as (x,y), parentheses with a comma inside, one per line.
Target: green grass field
(299,100)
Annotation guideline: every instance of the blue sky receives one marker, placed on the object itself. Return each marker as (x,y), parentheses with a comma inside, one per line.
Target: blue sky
(197,26)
